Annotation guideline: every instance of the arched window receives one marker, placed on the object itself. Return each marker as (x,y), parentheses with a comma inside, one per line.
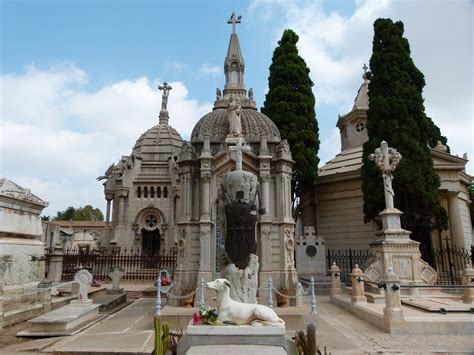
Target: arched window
(139,192)
(152,192)
(165,192)
(158,192)
(145,192)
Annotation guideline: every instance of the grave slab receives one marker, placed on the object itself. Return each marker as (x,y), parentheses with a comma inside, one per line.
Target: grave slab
(67,320)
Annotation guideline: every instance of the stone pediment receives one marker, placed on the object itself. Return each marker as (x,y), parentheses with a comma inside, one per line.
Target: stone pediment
(9,189)
(442,160)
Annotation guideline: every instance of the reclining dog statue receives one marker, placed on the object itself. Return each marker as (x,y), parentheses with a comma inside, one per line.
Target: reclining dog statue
(233,312)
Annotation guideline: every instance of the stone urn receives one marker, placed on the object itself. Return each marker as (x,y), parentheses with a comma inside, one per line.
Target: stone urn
(282,301)
(188,301)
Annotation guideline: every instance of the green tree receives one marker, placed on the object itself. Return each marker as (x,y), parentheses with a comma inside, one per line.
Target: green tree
(290,104)
(397,115)
(86,213)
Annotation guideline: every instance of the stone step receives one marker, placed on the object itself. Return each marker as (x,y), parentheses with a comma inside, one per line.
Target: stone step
(22,312)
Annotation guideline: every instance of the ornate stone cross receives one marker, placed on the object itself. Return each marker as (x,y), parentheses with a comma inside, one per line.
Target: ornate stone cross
(166,91)
(237,150)
(233,20)
(386,159)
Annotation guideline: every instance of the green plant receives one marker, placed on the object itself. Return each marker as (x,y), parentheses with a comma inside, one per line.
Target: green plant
(162,337)
(306,344)
(290,104)
(397,115)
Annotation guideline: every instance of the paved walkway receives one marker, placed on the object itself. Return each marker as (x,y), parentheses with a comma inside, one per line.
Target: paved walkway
(131,329)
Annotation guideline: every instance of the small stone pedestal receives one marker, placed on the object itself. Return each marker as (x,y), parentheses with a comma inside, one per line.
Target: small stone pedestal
(245,335)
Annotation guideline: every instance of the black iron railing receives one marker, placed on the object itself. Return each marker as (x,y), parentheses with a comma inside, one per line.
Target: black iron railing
(137,267)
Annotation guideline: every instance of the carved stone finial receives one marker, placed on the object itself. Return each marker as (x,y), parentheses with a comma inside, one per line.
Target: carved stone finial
(386,159)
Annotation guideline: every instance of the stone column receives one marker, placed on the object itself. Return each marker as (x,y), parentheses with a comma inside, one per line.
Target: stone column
(56,265)
(468,280)
(392,313)
(109,197)
(205,215)
(335,280)
(121,211)
(455,221)
(358,292)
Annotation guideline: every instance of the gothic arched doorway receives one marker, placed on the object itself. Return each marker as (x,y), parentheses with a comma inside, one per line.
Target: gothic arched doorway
(150,242)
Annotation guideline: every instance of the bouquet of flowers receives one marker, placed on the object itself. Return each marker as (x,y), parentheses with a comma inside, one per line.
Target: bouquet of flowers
(206,315)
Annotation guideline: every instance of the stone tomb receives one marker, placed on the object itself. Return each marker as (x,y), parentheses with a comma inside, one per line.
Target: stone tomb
(208,337)
(69,319)
(310,253)
(21,254)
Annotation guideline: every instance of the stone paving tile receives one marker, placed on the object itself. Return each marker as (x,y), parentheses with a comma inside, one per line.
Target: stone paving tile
(368,337)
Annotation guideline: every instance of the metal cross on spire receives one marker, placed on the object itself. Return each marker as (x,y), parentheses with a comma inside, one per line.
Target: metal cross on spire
(233,20)
(166,91)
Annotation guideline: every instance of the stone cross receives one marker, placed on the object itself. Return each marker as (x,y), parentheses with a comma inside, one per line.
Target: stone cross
(166,91)
(84,279)
(386,159)
(237,149)
(233,20)
(116,274)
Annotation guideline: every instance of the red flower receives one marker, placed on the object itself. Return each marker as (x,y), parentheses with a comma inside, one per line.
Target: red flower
(197,319)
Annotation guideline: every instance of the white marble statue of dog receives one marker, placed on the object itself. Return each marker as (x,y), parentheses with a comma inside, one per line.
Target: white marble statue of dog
(230,311)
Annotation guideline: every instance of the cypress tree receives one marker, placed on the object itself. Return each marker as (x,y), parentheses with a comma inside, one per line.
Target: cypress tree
(397,115)
(290,104)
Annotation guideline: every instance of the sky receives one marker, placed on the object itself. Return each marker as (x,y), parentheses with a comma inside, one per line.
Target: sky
(78,78)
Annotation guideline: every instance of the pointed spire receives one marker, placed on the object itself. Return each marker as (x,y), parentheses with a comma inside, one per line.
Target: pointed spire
(234,64)
(362,98)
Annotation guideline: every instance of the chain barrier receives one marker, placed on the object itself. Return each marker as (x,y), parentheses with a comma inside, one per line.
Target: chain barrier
(178,297)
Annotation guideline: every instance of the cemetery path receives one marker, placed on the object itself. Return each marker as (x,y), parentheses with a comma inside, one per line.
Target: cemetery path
(339,331)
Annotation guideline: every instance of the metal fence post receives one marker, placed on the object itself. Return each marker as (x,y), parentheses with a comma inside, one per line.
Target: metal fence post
(270,296)
(201,298)
(313,298)
(158,297)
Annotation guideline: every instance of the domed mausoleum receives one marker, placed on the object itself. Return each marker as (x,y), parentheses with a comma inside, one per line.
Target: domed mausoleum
(142,190)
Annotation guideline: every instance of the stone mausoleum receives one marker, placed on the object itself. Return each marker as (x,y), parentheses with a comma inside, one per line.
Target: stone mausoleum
(335,205)
(223,199)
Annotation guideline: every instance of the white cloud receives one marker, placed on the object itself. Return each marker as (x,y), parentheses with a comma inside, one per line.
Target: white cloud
(57,137)
(212,70)
(335,47)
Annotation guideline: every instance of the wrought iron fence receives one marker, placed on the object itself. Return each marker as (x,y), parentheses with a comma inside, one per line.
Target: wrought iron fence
(449,263)
(137,267)
(346,261)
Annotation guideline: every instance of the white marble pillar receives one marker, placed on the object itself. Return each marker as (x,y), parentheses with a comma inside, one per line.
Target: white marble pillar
(107,213)
(455,221)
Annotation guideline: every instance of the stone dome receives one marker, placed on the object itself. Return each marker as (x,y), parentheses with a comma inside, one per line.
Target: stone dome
(161,138)
(254,125)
